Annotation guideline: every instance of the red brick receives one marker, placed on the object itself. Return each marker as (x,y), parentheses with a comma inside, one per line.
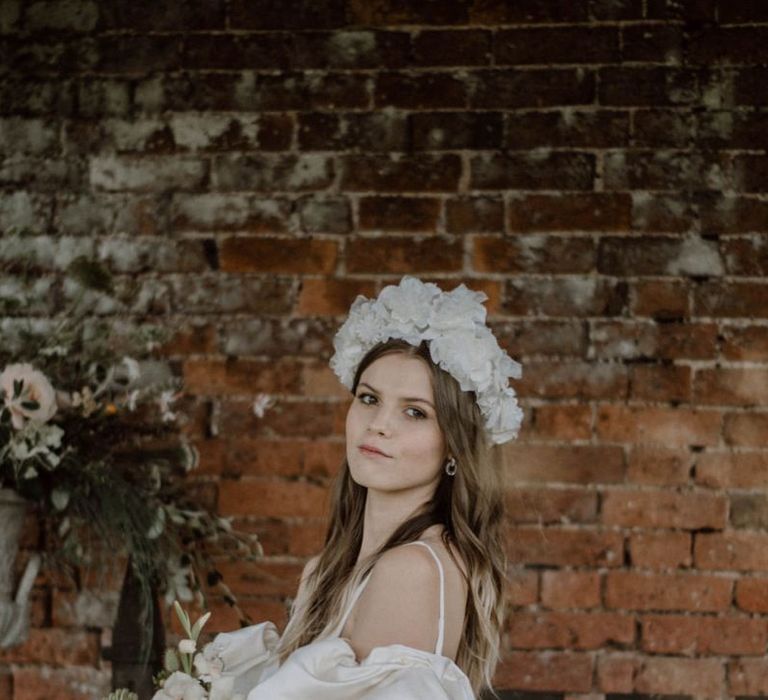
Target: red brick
(55,647)
(544,671)
(401,255)
(399,213)
(733,214)
(6,685)
(415,173)
(574,296)
(563,630)
(524,171)
(727,299)
(569,379)
(449,131)
(368,131)
(579,464)
(748,677)
(732,469)
(665,509)
(574,129)
(249,254)
(419,91)
(668,427)
(392,12)
(657,212)
(283,419)
(589,211)
(655,128)
(464,47)
(644,86)
(560,547)
(538,87)
(738,11)
(615,672)
(648,43)
(745,257)
(526,505)
(76,683)
(660,466)
(241,376)
(262,577)
(660,550)
(665,383)
(320,381)
(698,635)
(271,498)
(553,254)
(563,422)
(731,386)
(327,296)
(191,340)
(660,299)
(553,45)
(746,429)
(522,587)
(570,589)
(752,594)
(732,551)
(474,214)
(630,590)
(702,678)
(556,338)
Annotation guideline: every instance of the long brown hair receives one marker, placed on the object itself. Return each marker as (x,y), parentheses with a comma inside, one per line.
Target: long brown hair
(470,506)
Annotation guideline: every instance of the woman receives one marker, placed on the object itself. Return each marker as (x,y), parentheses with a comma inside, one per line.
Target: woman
(405,599)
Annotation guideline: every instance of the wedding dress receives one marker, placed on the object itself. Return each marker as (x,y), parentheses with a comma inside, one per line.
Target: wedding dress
(327,669)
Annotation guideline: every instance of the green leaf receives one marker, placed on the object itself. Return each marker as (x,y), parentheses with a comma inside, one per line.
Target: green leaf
(171,661)
(183,617)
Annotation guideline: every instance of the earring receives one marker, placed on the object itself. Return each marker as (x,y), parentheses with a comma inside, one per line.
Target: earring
(450,467)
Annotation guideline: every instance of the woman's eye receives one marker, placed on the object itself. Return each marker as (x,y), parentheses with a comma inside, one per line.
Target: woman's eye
(419,414)
(363,397)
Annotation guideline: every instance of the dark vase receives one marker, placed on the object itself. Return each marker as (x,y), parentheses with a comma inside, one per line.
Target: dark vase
(133,664)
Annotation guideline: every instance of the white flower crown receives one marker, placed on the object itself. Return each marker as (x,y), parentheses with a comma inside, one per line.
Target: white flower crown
(459,342)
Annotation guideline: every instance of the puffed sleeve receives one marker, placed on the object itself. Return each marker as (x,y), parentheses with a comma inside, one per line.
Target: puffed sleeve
(328,670)
(248,656)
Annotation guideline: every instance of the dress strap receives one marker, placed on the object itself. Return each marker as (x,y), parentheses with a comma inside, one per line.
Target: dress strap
(441,622)
(352,600)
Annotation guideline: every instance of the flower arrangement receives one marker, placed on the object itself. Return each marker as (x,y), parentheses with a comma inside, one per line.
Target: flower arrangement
(91,437)
(189,674)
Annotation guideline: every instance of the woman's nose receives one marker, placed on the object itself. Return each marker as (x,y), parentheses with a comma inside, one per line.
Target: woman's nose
(380,421)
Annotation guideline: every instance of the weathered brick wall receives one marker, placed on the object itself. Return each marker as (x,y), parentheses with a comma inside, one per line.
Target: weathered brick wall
(598,167)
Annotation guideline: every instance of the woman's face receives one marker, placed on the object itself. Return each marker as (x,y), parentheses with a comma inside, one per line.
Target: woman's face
(393,411)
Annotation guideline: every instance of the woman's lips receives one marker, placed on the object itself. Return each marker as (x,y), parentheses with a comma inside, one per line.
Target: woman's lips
(371,451)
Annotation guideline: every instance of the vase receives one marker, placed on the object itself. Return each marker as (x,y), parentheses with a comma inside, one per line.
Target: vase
(14,610)
(133,665)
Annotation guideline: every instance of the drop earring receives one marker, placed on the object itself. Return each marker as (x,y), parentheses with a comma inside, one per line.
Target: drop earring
(450,467)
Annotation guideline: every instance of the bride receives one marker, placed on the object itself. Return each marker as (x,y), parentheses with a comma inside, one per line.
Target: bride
(405,600)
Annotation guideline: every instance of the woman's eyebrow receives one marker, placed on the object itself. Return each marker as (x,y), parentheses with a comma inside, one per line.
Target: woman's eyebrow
(409,399)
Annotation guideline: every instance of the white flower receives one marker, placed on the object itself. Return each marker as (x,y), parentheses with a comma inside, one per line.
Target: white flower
(35,389)
(221,688)
(208,663)
(132,398)
(187,646)
(180,686)
(262,403)
(164,401)
(460,343)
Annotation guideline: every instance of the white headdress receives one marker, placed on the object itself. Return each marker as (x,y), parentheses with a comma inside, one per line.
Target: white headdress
(459,342)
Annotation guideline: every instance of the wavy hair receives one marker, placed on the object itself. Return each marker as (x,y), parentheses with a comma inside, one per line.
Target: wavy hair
(470,506)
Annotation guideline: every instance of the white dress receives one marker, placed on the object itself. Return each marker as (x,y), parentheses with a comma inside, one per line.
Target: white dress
(327,669)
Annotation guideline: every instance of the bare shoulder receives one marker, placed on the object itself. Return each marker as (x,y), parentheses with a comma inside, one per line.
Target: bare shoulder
(400,603)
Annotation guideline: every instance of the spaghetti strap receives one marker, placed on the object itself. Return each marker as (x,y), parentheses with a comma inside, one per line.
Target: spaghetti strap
(441,622)
(352,600)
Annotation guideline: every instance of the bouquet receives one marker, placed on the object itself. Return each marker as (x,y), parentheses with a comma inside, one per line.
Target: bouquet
(91,437)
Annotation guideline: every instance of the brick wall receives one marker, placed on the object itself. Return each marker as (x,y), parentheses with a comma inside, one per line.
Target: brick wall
(598,167)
